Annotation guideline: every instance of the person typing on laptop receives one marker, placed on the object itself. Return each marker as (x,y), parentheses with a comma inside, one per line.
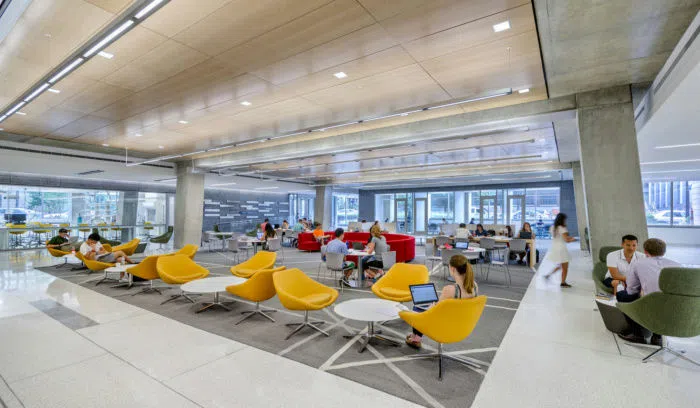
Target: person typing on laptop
(464,287)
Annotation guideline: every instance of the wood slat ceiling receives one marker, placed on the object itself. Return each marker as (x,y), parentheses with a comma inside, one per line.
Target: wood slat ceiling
(196,61)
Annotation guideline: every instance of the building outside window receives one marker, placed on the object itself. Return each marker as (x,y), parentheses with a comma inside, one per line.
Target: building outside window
(674,203)
(301,206)
(384,207)
(440,205)
(151,208)
(345,209)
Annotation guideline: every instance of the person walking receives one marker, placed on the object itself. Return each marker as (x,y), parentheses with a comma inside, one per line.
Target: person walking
(558,253)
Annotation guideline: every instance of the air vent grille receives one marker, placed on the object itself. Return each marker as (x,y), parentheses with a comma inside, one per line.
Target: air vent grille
(85,173)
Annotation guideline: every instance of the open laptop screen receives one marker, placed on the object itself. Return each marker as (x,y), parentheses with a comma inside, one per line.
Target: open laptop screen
(423,294)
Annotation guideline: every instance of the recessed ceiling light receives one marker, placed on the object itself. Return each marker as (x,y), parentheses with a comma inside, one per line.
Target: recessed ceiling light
(678,145)
(47,35)
(267,188)
(184,122)
(56,91)
(22,113)
(105,144)
(161,147)
(138,134)
(36,92)
(148,8)
(109,37)
(246,103)
(501,26)
(526,90)
(340,75)
(105,54)
(66,70)
(223,184)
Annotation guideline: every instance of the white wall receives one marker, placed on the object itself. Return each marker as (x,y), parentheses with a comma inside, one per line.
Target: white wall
(677,236)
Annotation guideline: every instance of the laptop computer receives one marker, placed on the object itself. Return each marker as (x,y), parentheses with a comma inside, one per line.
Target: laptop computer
(423,295)
(260,235)
(462,245)
(525,235)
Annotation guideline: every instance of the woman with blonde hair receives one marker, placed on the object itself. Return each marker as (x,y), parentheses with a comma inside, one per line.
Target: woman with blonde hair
(464,287)
(376,248)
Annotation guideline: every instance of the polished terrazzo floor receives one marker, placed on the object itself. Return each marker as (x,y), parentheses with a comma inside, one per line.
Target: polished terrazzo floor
(555,353)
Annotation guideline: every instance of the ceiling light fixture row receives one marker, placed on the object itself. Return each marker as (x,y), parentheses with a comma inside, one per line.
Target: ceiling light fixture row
(503,92)
(133,16)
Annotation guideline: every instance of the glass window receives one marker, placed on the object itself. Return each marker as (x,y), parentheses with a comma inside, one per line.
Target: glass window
(541,207)
(440,206)
(681,203)
(151,208)
(345,209)
(657,202)
(384,207)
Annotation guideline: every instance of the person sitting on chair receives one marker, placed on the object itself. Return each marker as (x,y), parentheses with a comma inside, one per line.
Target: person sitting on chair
(480,231)
(464,287)
(319,235)
(337,246)
(93,250)
(462,231)
(61,241)
(268,234)
(620,262)
(643,279)
(376,248)
(285,225)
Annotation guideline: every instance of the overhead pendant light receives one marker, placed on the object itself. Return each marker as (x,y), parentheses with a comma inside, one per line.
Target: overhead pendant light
(109,38)
(497,28)
(66,70)
(56,91)
(3,118)
(105,54)
(15,108)
(21,113)
(148,8)
(36,92)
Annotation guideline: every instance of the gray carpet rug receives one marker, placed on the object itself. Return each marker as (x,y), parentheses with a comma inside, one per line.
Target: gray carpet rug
(381,366)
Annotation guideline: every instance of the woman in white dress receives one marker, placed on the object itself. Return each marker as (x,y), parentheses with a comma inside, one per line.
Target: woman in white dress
(558,254)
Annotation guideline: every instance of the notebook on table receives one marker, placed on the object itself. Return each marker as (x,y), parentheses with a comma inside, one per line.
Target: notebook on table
(423,295)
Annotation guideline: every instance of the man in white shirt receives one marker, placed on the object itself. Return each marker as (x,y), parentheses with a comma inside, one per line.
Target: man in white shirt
(643,279)
(93,250)
(619,262)
(462,232)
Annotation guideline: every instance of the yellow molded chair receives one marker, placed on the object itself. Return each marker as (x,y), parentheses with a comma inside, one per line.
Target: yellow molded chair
(57,253)
(177,270)
(147,270)
(128,248)
(93,266)
(261,260)
(449,321)
(297,291)
(259,288)
(189,250)
(394,285)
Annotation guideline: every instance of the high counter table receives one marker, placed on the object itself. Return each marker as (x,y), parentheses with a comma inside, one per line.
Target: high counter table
(5,232)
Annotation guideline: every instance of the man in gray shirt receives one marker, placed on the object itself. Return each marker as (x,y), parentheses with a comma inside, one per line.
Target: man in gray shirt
(643,279)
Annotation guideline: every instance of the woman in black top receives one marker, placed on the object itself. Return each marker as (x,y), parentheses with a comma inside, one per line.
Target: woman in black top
(480,231)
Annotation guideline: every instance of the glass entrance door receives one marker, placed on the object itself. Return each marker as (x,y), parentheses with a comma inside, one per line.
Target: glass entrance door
(488,209)
(421,216)
(516,211)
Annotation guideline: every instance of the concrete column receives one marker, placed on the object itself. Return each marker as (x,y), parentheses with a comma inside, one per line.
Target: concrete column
(189,205)
(612,178)
(323,206)
(130,204)
(580,198)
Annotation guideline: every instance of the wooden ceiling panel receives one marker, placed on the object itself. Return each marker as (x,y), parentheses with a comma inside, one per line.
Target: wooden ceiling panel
(536,93)
(133,77)
(16,74)
(81,126)
(383,9)
(133,45)
(512,62)
(325,24)
(240,21)
(376,63)
(472,34)
(112,6)
(69,87)
(95,98)
(177,16)
(50,30)
(433,16)
(39,121)
(356,45)
(386,92)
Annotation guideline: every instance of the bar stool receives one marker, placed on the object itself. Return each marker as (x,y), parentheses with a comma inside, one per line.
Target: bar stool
(147,228)
(84,229)
(16,232)
(41,235)
(116,230)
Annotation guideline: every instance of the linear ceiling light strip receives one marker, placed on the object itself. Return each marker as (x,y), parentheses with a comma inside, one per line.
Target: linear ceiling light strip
(505,92)
(128,20)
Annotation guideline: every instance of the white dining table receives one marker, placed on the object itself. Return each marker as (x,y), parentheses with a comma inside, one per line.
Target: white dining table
(370,311)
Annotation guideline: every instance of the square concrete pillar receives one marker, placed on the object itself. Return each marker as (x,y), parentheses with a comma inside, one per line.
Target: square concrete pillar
(612,179)
(580,201)
(189,206)
(323,206)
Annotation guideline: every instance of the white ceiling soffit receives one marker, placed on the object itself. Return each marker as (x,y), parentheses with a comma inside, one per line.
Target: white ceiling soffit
(668,119)
(10,15)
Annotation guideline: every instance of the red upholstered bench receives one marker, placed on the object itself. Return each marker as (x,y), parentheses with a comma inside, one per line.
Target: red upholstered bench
(403,245)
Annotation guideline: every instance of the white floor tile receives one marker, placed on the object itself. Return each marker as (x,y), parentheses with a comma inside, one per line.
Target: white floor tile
(532,373)
(103,382)
(33,343)
(11,305)
(161,347)
(254,378)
